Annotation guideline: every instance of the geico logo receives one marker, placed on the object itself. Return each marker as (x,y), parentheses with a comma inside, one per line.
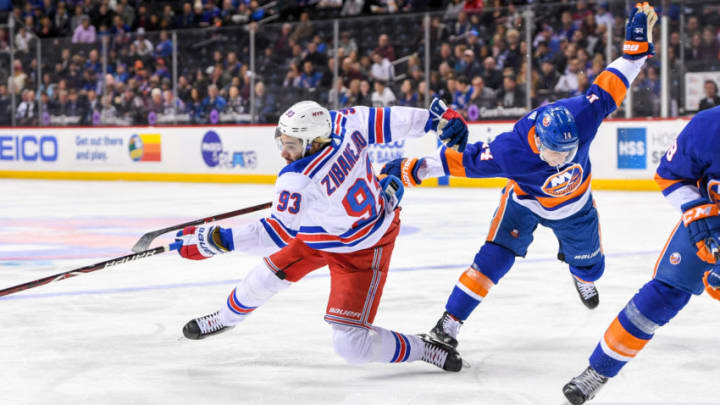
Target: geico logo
(212,147)
(28,148)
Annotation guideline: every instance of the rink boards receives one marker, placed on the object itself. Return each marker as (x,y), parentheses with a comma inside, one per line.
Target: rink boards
(624,154)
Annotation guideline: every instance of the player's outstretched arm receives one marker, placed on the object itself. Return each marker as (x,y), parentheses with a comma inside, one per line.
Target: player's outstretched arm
(476,161)
(388,124)
(608,90)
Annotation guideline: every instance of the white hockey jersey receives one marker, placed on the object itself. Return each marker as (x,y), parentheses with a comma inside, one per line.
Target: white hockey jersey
(332,200)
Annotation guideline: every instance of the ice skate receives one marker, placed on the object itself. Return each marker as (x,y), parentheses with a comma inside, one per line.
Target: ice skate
(587,292)
(440,354)
(584,387)
(200,328)
(446,330)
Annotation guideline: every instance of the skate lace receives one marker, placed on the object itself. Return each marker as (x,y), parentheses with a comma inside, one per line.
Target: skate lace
(587,290)
(451,326)
(434,355)
(209,323)
(589,382)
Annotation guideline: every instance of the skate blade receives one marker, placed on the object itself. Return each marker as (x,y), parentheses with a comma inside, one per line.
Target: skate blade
(466,364)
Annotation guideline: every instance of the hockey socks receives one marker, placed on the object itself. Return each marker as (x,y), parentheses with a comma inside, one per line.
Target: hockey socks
(376,344)
(491,263)
(255,289)
(652,307)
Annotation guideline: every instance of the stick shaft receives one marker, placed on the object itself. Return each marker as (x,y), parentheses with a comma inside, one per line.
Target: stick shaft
(144,242)
(86,269)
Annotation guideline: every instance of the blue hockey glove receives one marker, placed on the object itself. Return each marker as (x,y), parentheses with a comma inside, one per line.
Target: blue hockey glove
(702,221)
(393,190)
(711,279)
(201,242)
(638,32)
(450,126)
(404,169)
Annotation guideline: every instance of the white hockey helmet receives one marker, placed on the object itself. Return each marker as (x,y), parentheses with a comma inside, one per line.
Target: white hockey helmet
(306,120)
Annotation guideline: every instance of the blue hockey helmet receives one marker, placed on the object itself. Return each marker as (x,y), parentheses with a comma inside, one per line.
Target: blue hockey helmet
(555,128)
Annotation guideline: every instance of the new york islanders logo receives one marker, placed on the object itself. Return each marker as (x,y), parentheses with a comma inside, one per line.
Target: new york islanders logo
(713,190)
(565,182)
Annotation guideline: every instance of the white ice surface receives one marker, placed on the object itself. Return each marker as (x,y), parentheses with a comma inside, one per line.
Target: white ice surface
(114,336)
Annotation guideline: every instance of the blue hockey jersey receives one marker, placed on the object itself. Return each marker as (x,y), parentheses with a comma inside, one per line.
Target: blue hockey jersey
(691,166)
(549,192)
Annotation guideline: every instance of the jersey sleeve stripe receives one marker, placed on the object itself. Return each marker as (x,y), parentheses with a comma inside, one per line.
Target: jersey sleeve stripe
(611,83)
(371,126)
(667,186)
(273,235)
(279,230)
(531,140)
(454,161)
(379,116)
(285,228)
(620,75)
(386,125)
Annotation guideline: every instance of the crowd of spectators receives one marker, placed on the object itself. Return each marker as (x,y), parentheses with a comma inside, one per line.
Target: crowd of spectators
(110,61)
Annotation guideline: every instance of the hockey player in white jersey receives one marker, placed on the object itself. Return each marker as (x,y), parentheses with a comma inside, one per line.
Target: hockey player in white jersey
(330,209)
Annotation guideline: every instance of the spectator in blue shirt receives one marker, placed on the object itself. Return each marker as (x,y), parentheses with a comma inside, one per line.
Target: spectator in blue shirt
(165,46)
(195,107)
(309,79)
(213,101)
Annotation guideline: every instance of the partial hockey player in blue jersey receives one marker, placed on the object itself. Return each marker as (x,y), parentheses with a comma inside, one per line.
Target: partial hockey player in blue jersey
(689,177)
(330,210)
(546,159)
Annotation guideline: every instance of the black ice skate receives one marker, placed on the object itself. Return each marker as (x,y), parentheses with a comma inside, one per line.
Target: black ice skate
(587,292)
(584,387)
(200,328)
(440,354)
(446,330)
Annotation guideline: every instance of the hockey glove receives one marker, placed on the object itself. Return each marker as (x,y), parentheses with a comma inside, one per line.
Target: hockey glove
(702,222)
(450,126)
(712,283)
(393,190)
(638,32)
(201,242)
(404,169)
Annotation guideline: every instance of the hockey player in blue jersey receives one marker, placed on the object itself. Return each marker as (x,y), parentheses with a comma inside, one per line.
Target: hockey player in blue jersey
(689,177)
(546,159)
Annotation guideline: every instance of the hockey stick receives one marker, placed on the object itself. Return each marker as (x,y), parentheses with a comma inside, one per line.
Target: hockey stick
(91,268)
(145,241)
